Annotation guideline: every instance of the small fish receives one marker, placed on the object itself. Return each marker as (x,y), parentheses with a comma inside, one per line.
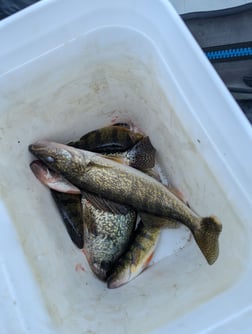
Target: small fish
(126,185)
(136,258)
(108,227)
(110,139)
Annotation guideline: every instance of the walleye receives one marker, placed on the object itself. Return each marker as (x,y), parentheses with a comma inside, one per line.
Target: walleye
(126,185)
(136,258)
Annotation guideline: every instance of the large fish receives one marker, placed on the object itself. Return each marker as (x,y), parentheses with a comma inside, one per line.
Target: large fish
(123,184)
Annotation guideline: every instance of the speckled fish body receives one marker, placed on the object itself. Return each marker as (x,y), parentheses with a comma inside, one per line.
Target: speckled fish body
(136,258)
(108,227)
(113,181)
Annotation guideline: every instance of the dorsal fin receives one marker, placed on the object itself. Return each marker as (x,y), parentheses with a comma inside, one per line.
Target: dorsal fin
(105,205)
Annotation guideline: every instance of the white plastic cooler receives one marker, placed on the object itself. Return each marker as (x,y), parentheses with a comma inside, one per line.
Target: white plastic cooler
(67,67)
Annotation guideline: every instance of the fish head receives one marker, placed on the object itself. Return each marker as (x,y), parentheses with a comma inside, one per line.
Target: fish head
(119,277)
(99,267)
(58,157)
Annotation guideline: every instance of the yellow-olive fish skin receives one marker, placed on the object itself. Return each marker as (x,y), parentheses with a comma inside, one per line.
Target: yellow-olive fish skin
(136,258)
(126,185)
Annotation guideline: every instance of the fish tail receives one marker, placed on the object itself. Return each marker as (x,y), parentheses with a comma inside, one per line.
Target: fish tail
(207,236)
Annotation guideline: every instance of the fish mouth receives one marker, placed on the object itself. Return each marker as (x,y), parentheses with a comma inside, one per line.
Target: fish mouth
(99,271)
(38,167)
(51,152)
(39,146)
(40,170)
(116,280)
(42,150)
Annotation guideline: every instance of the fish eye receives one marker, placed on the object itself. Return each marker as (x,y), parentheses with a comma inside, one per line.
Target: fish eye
(49,159)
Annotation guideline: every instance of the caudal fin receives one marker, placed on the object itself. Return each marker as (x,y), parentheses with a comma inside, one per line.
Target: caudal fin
(207,238)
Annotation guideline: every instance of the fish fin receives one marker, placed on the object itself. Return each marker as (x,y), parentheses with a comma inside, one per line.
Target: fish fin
(142,154)
(207,238)
(106,205)
(120,159)
(70,209)
(155,221)
(148,260)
